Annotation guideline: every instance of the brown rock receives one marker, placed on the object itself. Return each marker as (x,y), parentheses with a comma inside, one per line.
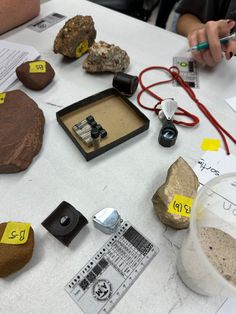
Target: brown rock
(14,257)
(104,57)
(76,36)
(21,131)
(38,80)
(181,180)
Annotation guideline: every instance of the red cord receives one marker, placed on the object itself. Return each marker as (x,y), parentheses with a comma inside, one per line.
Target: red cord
(175,76)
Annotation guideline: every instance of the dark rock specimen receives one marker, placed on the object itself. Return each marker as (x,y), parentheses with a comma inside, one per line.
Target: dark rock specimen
(13,257)
(104,57)
(35,74)
(180,180)
(76,36)
(21,131)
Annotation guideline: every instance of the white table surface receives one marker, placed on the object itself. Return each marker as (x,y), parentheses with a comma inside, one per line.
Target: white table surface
(125,178)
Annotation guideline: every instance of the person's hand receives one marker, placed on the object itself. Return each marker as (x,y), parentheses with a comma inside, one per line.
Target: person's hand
(211,32)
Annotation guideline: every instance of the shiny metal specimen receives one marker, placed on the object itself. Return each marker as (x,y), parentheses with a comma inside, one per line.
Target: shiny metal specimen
(107,220)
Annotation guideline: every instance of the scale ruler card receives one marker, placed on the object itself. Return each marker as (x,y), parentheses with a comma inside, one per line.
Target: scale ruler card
(188,71)
(101,283)
(46,22)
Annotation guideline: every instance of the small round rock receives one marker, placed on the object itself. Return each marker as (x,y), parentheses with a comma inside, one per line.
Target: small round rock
(14,257)
(36,74)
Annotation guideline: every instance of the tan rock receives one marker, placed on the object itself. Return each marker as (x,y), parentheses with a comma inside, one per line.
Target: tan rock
(14,257)
(76,36)
(104,57)
(180,180)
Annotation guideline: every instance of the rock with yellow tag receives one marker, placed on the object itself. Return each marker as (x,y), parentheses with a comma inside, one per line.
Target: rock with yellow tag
(16,246)
(104,57)
(76,36)
(35,74)
(172,200)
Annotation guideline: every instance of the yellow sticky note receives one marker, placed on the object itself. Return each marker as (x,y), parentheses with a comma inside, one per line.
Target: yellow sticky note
(16,233)
(210,144)
(2,98)
(37,67)
(82,48)
(180,205)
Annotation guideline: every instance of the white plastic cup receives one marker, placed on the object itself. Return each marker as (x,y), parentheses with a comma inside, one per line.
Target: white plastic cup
(214,206)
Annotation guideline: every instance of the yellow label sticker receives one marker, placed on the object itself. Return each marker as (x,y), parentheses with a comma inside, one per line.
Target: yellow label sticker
(2,98)
(210,144)
(37,67)
(81,49)
(180,205)
(16,233)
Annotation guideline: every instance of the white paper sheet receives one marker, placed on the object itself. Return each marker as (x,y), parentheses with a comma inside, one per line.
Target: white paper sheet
(232,102)
(212,164)
(11,56)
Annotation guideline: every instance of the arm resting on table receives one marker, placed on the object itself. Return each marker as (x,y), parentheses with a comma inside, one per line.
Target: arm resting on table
(187,23)
(16,12)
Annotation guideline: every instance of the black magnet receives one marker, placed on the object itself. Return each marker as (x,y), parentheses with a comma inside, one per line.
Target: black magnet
(65,222)
(125,83)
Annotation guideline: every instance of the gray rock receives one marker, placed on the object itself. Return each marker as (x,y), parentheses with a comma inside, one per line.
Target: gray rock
(104,57)
(181,180)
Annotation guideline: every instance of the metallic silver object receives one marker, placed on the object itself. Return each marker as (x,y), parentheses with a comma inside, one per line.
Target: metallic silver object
(107,220)
(168,109)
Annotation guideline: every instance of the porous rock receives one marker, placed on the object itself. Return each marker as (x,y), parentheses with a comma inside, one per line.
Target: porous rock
(35,81)
(180,180)
(13,257)
(21,131)
(104,57)
(76,36)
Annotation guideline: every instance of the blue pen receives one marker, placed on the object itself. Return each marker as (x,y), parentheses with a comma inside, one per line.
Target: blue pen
(205,44)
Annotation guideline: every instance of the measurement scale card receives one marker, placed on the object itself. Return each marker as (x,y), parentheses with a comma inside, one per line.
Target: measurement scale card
(101,283)
(46,22)
(188,71)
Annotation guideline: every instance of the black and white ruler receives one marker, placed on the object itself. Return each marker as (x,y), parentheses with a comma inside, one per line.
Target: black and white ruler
(101,283)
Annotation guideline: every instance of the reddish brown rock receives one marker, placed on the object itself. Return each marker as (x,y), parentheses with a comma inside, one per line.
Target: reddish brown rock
(14,257)
(35,80)
(76,36)
(21,131)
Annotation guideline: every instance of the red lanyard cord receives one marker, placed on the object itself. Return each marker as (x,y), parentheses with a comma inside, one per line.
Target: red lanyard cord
(175,76)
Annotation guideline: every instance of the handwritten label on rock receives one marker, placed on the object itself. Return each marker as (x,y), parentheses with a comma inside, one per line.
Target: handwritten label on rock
(37,67)
(2,98)
(16,233)
(180,205)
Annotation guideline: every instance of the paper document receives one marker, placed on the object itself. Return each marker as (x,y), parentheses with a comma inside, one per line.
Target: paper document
(212,164)
(11,56)
(232,102)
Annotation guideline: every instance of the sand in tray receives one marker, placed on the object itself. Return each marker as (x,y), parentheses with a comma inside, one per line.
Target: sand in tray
(220,249)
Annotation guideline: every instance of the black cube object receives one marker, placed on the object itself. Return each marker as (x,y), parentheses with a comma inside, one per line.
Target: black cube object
(64,223)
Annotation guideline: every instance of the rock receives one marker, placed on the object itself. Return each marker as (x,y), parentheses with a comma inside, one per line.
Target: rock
(21,131)
(35,74)
(76,36)
(13,257)
(104,57)
(181,180)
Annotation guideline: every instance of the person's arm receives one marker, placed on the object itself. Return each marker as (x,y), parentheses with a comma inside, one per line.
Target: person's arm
(16,12)
(197,32)
(187,23)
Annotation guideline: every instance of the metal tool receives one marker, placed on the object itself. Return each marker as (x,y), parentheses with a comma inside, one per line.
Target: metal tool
(205,44)
(168,133)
